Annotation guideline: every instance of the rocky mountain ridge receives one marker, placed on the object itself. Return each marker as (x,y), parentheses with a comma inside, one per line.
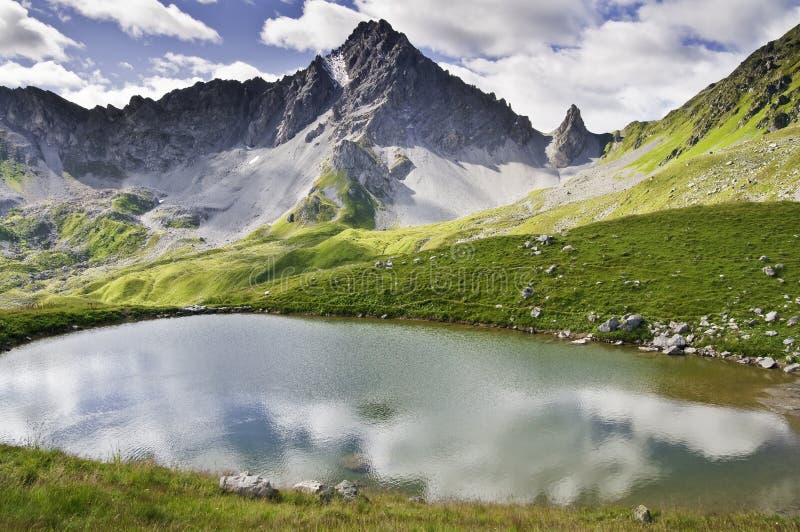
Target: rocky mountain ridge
(425,145)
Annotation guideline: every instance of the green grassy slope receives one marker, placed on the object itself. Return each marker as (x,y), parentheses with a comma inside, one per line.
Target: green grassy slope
(760,95)
(763,169)
(677,264)
(48,490)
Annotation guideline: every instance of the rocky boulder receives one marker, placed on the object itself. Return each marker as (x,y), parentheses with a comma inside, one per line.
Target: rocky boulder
(347,490)
(642,514)
(609,325)
(311,487)
(792,368)
(527,292)
(247,485)
(766,362)
(673,350)
(631,322)
(680,327)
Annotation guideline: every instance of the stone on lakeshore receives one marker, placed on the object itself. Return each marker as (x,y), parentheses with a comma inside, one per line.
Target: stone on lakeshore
(312,487)
(642,515)
(767,363)
(347,490)
(792,368)
(673,350)
(632,322)
(609,325)
(248,485)
(679,327)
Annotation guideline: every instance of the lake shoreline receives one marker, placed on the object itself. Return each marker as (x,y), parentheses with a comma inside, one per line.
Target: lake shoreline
(147,313)
(51,489)
(783,399)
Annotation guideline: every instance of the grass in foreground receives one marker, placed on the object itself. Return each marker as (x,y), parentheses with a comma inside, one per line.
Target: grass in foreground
(42,489)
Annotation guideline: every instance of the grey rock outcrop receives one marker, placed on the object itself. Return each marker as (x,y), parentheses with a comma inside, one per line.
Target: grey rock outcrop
(572,143)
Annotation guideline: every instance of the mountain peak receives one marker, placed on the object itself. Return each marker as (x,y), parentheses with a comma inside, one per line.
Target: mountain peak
(373,33)
(569,139)
(380,27)
(573,121)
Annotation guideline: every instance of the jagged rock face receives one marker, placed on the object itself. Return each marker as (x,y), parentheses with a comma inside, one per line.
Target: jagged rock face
(572,143)
(421,102)
(364,167)
(157,135)
(568,139)
(414,101)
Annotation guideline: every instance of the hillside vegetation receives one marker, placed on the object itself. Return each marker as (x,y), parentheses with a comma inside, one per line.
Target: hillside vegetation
(760,96)
(683,264)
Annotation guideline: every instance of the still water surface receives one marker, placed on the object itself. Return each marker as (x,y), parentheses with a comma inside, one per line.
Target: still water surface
(449,412)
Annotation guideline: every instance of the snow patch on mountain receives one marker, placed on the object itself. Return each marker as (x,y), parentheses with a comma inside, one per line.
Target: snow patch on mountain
(337,68)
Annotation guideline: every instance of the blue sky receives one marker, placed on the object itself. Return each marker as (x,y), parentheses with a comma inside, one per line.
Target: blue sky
(618,60)
(238,23)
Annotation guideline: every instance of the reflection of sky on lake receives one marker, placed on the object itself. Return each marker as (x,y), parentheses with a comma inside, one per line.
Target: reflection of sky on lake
(463,414)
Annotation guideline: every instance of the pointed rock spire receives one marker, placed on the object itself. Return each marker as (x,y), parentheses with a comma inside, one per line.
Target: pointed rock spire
(569,139)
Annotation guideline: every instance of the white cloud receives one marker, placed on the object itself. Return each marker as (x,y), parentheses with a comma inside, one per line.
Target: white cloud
(126,65)
(88,89)
(655,73)
(732,22)
(480,27)
(24,36)
(46,74)
(544,56)
(145,17)
(173,63)
(322,26)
